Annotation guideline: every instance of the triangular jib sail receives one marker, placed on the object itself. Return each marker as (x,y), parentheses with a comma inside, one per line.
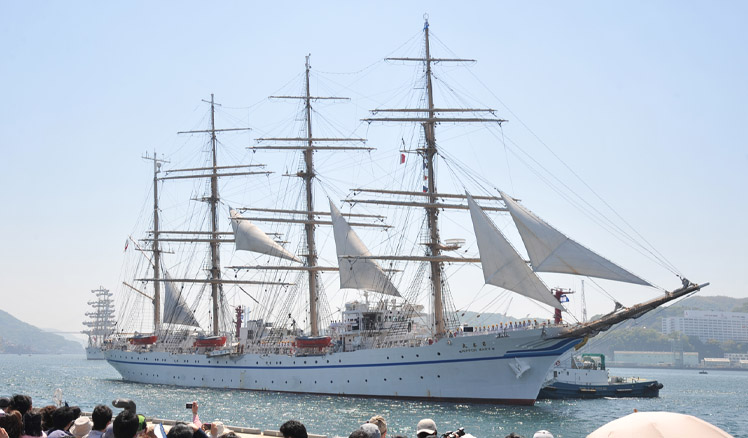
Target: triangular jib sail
(356,272)
(502,266)
(551,251)
(249,237)
(176,310)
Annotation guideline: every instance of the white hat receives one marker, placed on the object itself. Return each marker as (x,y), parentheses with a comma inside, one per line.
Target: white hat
(542,434)
(218,427)
(426,425)
(81,427)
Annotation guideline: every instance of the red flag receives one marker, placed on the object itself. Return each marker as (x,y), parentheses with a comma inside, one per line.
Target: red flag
(402,158)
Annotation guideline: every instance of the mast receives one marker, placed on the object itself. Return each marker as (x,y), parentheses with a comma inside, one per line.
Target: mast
(308,175)
(429,154)
(215,256)
(155,245)
(432,214)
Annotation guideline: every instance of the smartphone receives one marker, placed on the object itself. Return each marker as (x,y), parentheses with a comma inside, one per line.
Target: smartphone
(188,406)
(207,426)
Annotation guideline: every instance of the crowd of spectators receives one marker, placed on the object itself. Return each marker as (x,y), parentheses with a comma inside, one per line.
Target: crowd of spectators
(20,419)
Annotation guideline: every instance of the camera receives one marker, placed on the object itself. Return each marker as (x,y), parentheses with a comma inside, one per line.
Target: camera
(124,403)
(456,434)
(188,406)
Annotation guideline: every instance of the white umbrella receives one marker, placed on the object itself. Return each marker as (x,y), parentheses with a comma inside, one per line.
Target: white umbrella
(659,425)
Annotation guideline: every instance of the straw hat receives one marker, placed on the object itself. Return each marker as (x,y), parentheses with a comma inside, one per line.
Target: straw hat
(81,427)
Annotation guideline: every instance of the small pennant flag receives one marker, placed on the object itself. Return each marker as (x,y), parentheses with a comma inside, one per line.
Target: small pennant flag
(402,158)
(564,299)
(127,243)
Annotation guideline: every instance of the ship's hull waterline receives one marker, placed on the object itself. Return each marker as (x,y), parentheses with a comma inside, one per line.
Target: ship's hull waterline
(483,368)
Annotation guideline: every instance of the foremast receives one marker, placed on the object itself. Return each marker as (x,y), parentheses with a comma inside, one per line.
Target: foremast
(429,153)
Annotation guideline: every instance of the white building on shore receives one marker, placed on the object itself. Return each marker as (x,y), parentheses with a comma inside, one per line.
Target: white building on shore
(709,325)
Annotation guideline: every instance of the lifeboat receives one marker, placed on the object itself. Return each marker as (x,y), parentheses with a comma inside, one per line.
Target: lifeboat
(312,341)
(143,339)
(210,341)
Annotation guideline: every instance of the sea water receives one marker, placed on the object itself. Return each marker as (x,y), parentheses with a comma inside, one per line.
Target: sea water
(719,397)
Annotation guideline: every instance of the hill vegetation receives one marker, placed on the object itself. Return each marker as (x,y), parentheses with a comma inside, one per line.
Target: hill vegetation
(18,337)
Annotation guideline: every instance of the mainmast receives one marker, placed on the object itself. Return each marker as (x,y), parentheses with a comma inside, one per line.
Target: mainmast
(155,249)
(308,175)
(429,154)
(215,255)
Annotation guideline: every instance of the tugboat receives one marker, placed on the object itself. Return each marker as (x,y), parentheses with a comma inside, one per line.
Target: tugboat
(588,378)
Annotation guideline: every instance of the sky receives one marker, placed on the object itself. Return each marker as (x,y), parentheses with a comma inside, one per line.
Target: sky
(645,101)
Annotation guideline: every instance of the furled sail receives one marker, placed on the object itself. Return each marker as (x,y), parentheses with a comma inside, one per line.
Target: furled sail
(551,251)
(249,237)
(355,272)
(176,310)
(502,266)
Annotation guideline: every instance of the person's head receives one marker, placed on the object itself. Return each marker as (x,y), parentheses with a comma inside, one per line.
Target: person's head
(216,429)
(371,430)
(125,424)
(47,413)
(293,429)
(358,433)
(32,423)
(180,430)
(101,417)
(229,434)
(81,427)
(12,422)
(4,403)
(513,435)
(20,403)
(378,421)
(63,418)
(426,427)
(542,434)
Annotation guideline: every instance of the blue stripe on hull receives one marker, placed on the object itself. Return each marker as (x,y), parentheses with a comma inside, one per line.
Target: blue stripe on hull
(553,350)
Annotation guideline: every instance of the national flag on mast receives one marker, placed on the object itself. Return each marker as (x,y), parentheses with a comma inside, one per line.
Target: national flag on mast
(402,158)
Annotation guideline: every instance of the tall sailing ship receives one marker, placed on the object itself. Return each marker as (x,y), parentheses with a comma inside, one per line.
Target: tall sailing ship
(100,323)
(385,342)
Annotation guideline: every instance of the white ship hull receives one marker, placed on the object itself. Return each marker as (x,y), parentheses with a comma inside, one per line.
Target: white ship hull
(482,368)
(94,353)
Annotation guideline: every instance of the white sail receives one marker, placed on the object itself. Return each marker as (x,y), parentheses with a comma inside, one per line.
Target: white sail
(249,237)
(551,251)
(502,266)
(176,310)
(355,272)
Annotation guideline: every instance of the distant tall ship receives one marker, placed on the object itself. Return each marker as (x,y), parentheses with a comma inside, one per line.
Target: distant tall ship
(402,335)
(100,324)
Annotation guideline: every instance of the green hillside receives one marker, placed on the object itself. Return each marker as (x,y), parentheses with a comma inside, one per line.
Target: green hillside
(18,337)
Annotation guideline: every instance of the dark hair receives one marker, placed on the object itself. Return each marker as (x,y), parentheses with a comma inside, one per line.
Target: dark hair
(358,433)
(180,430)
(229,434)
(62,417)
(20,403)
(47,413)
(12,422)
(126,424)
(293,429)
(32,423)
(101,416)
